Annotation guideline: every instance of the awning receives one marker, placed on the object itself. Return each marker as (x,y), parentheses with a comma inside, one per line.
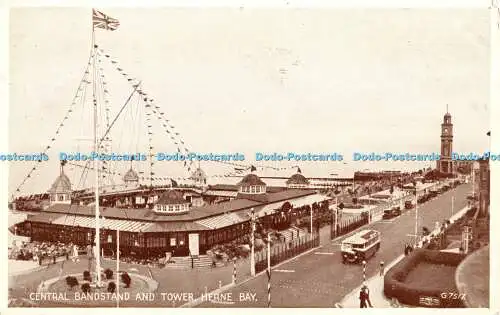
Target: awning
(221,221)
(221,193)
(308,200)
(16,217)
(317,198)
(109,224)
(175,226)
(45,217)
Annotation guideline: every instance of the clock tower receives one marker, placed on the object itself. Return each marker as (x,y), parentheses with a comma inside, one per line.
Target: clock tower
(445,164)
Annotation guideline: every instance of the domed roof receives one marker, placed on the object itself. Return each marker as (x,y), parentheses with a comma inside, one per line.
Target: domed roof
(251,180)
(62,184)
(131,176)
(297,179)
(172,197)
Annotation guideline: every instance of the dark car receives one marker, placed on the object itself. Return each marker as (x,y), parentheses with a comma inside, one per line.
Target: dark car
(391,213)
(408,204)
(423,198)
(470,197)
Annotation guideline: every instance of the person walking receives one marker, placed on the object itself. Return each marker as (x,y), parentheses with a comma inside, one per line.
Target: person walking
(368,296)
(382,268)
(362,298)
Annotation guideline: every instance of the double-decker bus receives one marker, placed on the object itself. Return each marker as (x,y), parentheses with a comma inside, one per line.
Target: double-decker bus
(360,246)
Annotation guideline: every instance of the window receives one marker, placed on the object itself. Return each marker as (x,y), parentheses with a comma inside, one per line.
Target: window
(61,197)
(53,198)
(253,189)
(257,189)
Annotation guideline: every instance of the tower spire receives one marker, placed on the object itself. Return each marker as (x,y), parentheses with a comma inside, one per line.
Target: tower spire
(447,108)
(63,162)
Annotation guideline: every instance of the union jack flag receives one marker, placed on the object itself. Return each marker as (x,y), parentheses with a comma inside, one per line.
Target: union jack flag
(101,20)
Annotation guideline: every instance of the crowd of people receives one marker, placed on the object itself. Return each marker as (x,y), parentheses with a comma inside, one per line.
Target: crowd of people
(40,251)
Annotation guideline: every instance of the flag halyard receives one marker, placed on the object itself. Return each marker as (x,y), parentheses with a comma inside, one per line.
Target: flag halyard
(101,20)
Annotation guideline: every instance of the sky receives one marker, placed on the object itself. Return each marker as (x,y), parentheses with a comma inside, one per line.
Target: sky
(255,80)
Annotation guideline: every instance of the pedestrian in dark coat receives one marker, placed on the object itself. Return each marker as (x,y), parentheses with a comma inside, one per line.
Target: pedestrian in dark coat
(362,298)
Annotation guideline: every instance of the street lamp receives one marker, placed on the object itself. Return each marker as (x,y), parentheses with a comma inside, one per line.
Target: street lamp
(311,218)
(252,242)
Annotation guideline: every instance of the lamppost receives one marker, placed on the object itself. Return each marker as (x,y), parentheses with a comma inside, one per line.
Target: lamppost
(452,201)
(311,218)
(336,214)
(268,269)
(473,182)
(117,267)
(252,242)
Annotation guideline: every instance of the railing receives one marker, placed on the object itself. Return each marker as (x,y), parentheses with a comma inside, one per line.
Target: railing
(286,251)
(348,226)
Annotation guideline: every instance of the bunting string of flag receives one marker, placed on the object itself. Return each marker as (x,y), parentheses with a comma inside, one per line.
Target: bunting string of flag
(149,125)
(172,133)
(174,136)
(156,178)
(152,108)
(106,146)
(78,96)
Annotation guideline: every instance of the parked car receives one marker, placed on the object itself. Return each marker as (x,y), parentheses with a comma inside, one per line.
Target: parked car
(470,197)
(408,204)
(391,213)
(423,198)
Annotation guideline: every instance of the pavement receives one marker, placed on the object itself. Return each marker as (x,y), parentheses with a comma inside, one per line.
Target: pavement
(319,279)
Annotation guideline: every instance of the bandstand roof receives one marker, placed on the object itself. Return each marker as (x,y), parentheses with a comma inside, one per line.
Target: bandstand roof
(251,180)
(198,218)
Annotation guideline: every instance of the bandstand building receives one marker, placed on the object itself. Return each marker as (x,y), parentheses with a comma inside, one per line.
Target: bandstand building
(178,222)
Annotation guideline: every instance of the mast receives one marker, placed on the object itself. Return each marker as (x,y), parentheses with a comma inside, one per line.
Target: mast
(97,252)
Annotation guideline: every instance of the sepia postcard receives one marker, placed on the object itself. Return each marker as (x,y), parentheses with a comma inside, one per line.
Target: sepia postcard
(249,157)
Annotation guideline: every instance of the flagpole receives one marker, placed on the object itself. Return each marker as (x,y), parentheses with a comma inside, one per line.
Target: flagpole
(96,165)
(117,267)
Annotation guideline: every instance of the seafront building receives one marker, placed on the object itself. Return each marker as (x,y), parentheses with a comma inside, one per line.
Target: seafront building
(180,221)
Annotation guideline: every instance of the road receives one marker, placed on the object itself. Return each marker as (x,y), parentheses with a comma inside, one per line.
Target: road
(319,279)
